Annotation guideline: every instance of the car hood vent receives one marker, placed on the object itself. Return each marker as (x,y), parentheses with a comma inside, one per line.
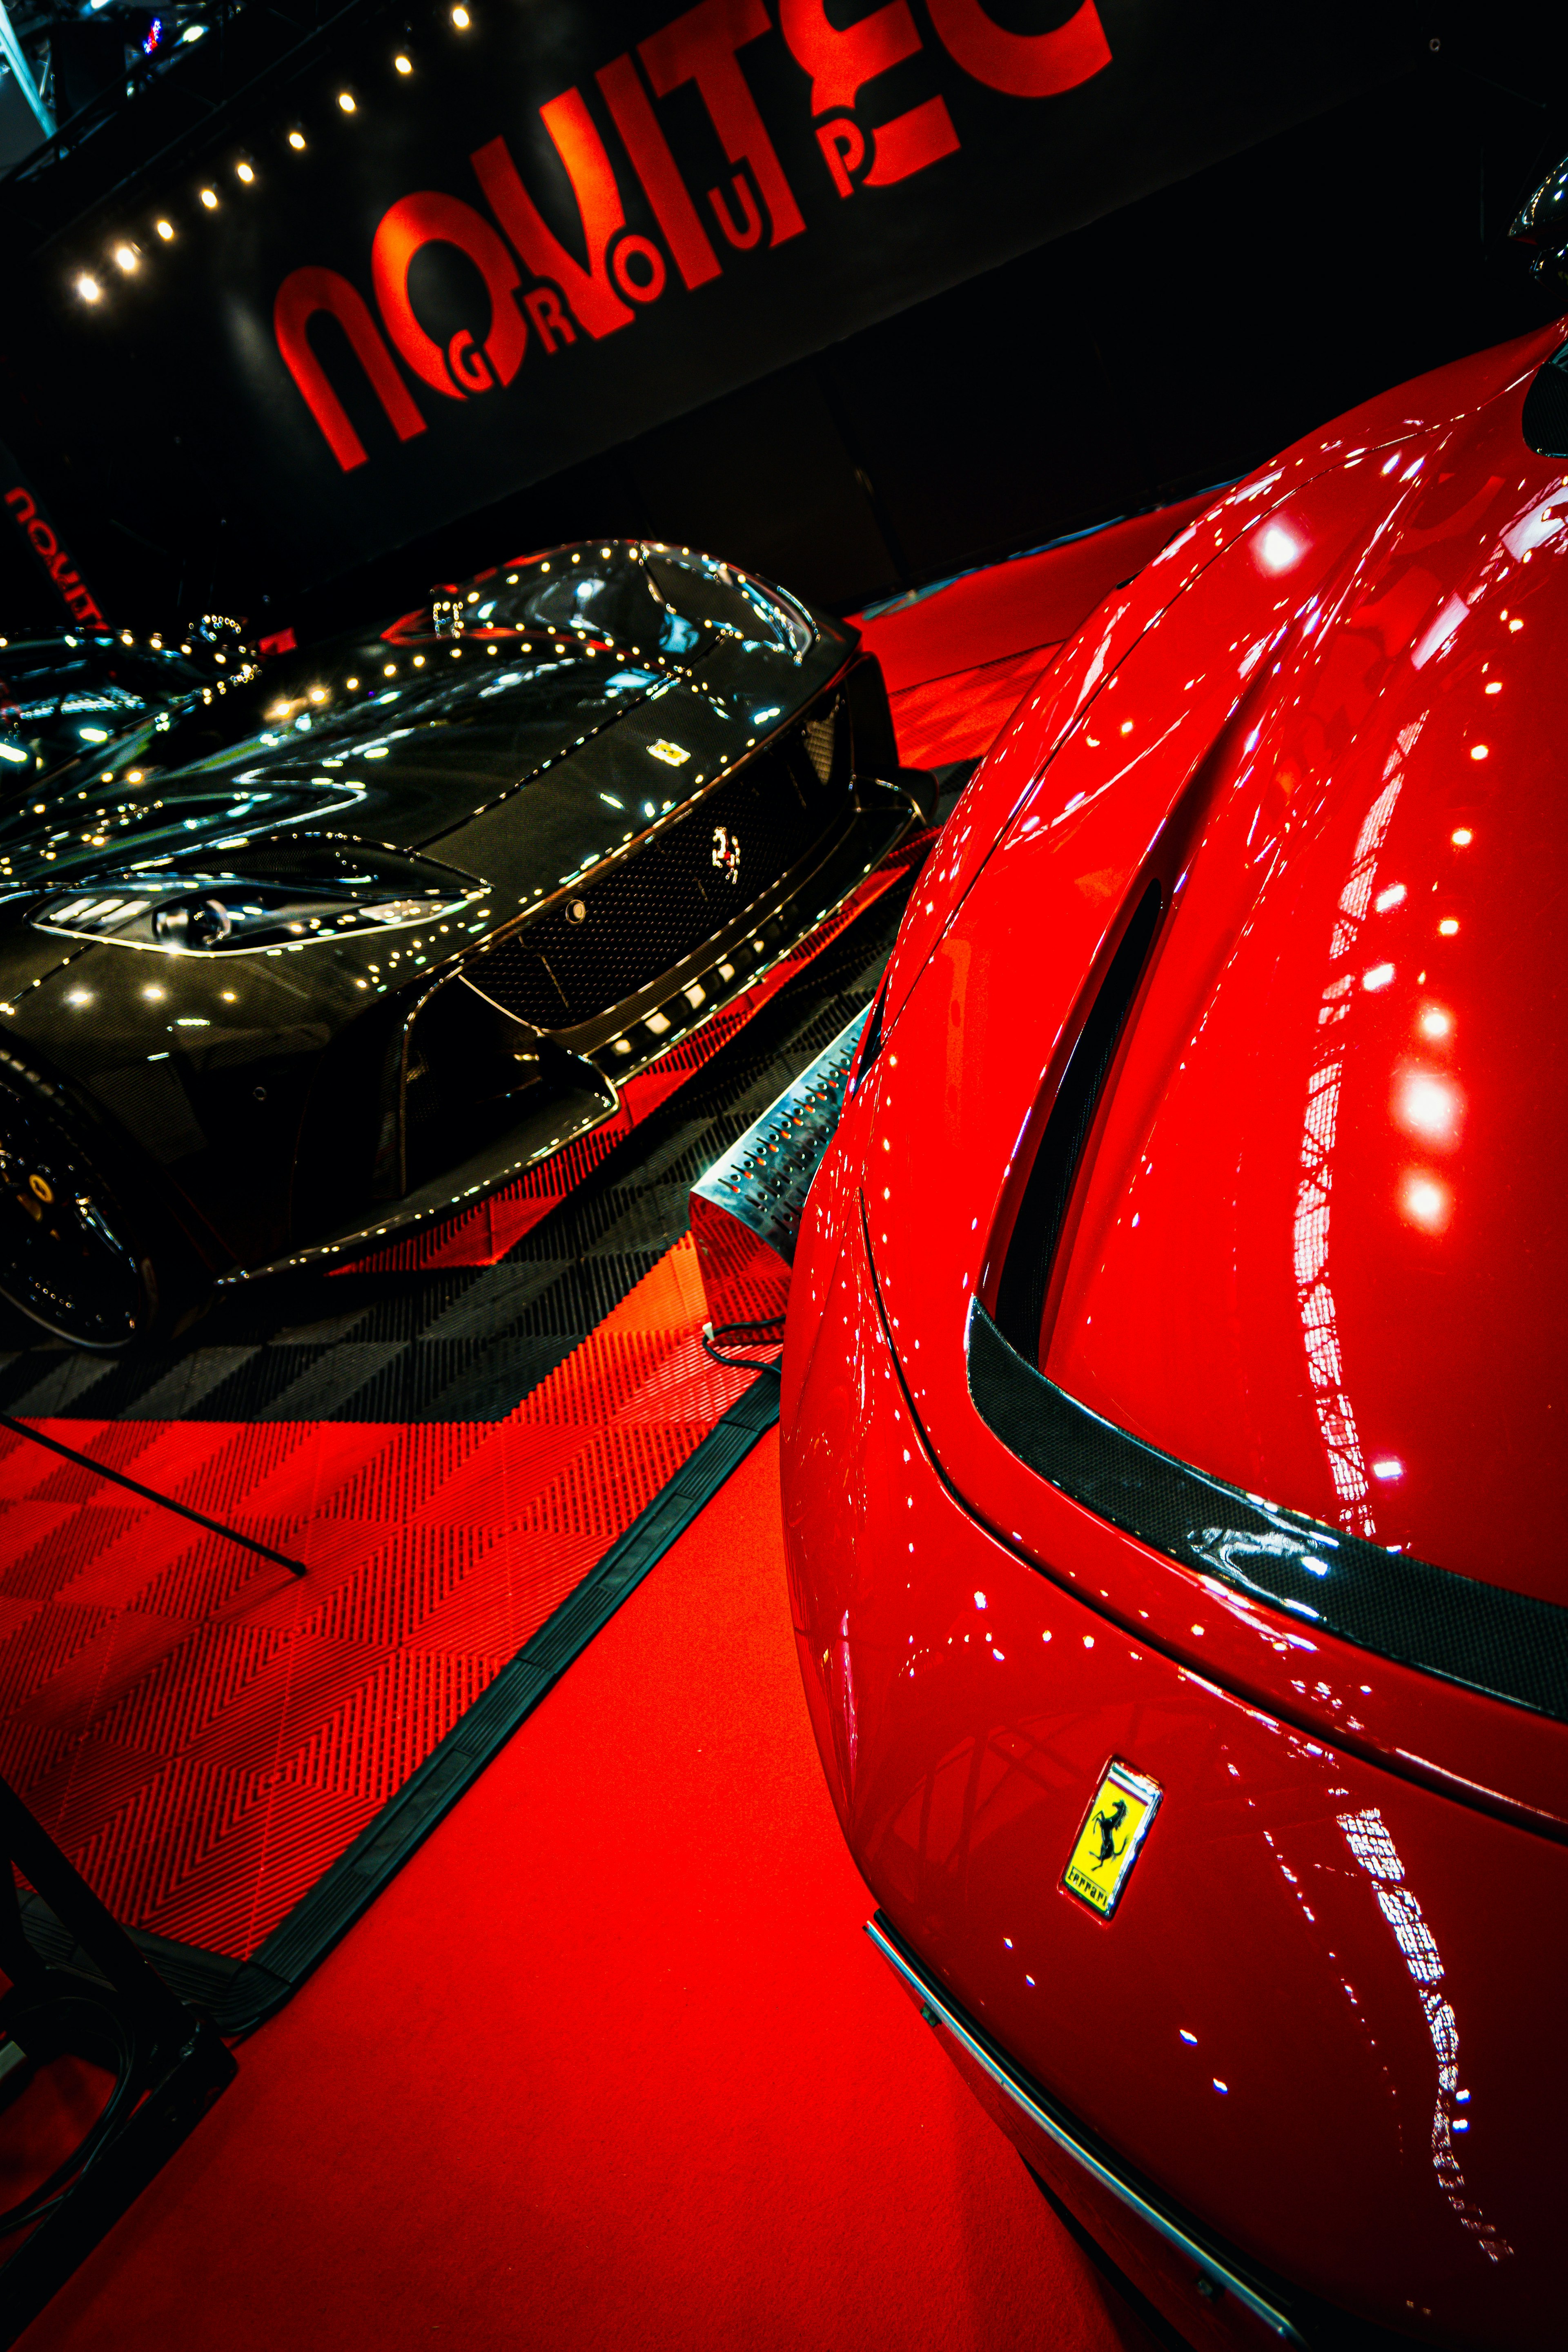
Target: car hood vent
(1031,1252)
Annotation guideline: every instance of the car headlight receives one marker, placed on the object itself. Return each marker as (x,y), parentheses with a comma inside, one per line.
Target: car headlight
(281,894)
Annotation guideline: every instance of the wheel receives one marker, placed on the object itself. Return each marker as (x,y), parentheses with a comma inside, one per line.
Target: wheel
(73,1257)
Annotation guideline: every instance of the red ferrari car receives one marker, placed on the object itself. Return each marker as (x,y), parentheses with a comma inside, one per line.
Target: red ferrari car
(1173,1450)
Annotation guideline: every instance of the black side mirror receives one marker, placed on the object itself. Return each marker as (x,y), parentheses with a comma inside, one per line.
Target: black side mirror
(1542,222)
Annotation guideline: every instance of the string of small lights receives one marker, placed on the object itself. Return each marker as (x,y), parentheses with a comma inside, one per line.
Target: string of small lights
(127,256)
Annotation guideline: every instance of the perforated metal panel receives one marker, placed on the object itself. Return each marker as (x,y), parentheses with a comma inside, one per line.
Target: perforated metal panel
(746,1211)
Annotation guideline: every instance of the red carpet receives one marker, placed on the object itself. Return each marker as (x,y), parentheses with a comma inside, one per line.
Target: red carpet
(610,2062)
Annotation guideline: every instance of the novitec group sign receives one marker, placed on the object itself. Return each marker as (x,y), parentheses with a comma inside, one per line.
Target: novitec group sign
(489,239)
(600,273)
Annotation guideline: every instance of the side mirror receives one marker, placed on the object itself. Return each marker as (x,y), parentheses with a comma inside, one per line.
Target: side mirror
(1542,222)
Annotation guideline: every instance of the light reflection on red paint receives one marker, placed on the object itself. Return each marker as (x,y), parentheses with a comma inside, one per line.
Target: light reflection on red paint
(1429,1105)
(1426,1202)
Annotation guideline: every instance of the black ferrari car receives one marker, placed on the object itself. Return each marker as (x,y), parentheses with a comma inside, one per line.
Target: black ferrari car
(327,947)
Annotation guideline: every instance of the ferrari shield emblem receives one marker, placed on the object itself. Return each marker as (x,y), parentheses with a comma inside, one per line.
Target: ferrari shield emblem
(1114,1828)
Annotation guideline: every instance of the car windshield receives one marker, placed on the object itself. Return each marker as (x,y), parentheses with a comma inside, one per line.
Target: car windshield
(546,650)
(62,696)
(662,602)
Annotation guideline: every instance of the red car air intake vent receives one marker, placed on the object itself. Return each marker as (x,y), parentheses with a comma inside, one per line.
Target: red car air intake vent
(1027,1269)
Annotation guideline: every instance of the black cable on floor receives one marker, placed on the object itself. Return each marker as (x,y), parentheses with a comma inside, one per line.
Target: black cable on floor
(712,1331)
(151,1494)
(113,2028)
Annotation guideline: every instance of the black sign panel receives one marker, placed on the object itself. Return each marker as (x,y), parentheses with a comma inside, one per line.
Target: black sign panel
(466,255)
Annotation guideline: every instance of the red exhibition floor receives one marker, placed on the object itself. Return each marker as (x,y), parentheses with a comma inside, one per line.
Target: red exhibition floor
(610,2061)
(206,1737)
(204,1734)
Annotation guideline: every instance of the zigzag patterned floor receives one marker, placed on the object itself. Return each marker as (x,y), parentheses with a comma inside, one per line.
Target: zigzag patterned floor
(448,1441)
(446,1452)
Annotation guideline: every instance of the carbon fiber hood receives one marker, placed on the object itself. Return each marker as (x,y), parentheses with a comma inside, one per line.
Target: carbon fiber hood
(403,737)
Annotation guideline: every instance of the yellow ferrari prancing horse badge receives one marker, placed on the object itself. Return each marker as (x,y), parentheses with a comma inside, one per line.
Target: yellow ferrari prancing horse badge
(1114,1828)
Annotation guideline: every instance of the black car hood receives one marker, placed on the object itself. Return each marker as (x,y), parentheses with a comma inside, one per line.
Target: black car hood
(401,767)
(406,738)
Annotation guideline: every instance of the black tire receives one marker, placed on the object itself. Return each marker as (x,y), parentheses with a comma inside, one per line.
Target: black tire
(80,1255)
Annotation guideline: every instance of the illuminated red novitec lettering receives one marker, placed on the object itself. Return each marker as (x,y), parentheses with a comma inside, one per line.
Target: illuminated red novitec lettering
(840,62)
(1024,65)
(924,136)
(78,600)
(843,145)
(594,279)
(543,307)
(591,291)
(655,166)
(303,294)
(464,367)
(700,47)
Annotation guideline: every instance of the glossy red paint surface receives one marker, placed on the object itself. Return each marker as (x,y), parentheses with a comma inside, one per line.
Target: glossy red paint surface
(1208,2324)
(1050,594)
(1313,1250)
(1324,1930)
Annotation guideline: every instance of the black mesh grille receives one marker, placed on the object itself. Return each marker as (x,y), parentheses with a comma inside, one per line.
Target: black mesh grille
(1505,1643)
(1546,416)
(651,909)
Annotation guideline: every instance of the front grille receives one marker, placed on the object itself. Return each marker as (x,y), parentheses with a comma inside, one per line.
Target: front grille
(820,737)
(631,923)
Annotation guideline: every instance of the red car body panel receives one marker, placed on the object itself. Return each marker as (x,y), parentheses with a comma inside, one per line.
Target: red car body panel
(1311,1250)
(1051,592)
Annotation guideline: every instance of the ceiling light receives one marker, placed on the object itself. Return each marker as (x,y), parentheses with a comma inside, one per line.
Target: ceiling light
(89,287)
(461,19)
(296,139)
(245,171)
(346,100)
(166,230)
(127,256)
(404,65)
(209,198)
